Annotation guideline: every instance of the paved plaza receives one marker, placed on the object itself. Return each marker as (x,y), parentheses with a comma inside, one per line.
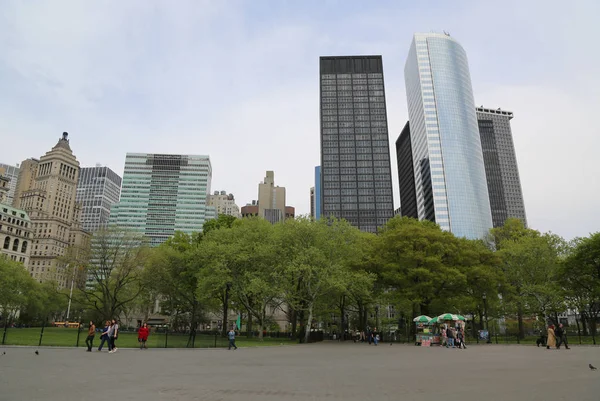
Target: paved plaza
(325,371)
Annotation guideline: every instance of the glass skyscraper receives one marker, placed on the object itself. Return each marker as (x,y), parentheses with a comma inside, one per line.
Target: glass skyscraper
(162,194)
(98,189)
(355,154)
(449,171)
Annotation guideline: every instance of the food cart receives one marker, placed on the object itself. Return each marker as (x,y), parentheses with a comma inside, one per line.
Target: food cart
(423,330)
(448,320)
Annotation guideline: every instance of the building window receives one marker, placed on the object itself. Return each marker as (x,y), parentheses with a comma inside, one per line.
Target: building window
(15,247)
(24,247)
(6,242)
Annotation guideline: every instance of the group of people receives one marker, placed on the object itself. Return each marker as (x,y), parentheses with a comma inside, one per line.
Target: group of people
(370,336)
(110,334)
(453,337)
(556,337)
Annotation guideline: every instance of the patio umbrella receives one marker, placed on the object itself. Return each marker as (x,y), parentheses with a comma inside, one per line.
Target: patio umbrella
(460,317)
(433,320)
(447,316)
(422,319)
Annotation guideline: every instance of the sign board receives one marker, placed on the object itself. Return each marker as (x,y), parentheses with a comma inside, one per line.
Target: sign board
(425,342)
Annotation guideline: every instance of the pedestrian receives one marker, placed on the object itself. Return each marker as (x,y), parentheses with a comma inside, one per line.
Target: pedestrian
(551,341)
(460,336)
(115,335)
(561,337)
(375,335)
(104,336)
(89,341)
(450,334)
(143,333)
(231,336)
(444,337)
(110,334)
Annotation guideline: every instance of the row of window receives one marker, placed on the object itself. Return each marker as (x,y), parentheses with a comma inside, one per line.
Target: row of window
(15,245)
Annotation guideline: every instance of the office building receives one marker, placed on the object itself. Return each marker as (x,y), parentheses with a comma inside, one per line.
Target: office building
(12,173)
(4,187)
(450,180)
(224,203)
(98,189)
(406,176)
(312,203)
(318,193)
(502,172)
(271,199)
(250,210)
(25,179)
(355,153)
(15,234)
(162,194)
(48,196)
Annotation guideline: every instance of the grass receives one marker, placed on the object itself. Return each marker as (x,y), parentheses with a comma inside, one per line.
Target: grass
(64,337)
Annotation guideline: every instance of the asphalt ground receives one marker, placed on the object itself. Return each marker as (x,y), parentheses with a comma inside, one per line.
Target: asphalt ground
(324,371)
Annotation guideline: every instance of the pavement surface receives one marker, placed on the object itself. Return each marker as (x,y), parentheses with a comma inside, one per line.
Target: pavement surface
(325,371)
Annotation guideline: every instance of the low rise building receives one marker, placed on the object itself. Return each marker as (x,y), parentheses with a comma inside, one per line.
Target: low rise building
(15,234)
(224,203)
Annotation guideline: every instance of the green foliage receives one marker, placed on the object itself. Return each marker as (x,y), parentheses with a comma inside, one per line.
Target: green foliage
(16,287)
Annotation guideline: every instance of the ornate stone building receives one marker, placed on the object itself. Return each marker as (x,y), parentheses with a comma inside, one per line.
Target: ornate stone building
(48,196)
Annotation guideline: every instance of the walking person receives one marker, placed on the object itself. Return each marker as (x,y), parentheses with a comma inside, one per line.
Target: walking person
(111,336)
(115,335)
(104,336)
(231,336)
(375,335)
(143,333)
(561,337)
(89,341)
(450,334)
(551,341)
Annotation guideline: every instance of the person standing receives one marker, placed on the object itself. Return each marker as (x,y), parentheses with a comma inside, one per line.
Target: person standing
(561,337)
(375,335)
(115,327)
(143,333)
(444,337)
(231,336)
(450,334)
(89,341)
(110,334)
(551,341)
(104,336)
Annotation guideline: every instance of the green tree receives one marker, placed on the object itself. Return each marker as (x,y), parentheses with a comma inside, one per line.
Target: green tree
(116,262)
(580,276)
(222,221)
(17,287)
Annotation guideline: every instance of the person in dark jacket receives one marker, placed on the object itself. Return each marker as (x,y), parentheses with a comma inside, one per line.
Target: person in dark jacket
(561,337)
(450,334)
(104,336)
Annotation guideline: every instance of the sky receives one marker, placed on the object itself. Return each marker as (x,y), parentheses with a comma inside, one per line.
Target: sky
(239,81)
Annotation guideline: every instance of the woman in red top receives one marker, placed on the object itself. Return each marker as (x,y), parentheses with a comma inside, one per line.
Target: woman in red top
(143,333)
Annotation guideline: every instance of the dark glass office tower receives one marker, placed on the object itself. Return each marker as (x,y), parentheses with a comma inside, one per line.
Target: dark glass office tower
(355,154)
(406,174)
(501,170)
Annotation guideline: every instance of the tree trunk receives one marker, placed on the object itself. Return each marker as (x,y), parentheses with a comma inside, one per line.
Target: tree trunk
(294,321)
(343,318)
(249,333)
(521,333)
(360,317)
(225,311)
(300,331)
(308,323)
(584,323)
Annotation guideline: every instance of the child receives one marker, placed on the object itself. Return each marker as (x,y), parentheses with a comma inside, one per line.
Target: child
(143,333)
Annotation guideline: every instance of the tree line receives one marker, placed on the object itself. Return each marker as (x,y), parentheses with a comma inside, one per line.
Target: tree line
(315,269)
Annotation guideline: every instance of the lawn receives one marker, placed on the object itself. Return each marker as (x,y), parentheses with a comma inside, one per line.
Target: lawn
(64,337)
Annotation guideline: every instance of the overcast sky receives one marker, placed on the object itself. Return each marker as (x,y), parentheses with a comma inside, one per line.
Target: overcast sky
(238,80)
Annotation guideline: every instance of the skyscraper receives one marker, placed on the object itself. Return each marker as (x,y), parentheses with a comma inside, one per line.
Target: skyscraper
(502,172)
(97,190)
(162,194)
(318,198)
(312,203)
(49,200)
(25,179)
(445,140)
(355,153)
(406,174)
(271,199)
(12,173)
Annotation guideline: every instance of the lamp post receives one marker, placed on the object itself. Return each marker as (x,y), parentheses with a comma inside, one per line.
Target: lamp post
(487,323)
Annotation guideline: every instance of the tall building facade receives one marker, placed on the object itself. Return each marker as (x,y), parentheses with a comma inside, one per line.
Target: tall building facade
(312,203)
(445,141)
(162,194)
(25,179)
(12,173)
(224,203)
(49,200)
(406,175)
(355,155)
(98,189)
(15,234)
(271,199)
(318,197)
(501,169)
